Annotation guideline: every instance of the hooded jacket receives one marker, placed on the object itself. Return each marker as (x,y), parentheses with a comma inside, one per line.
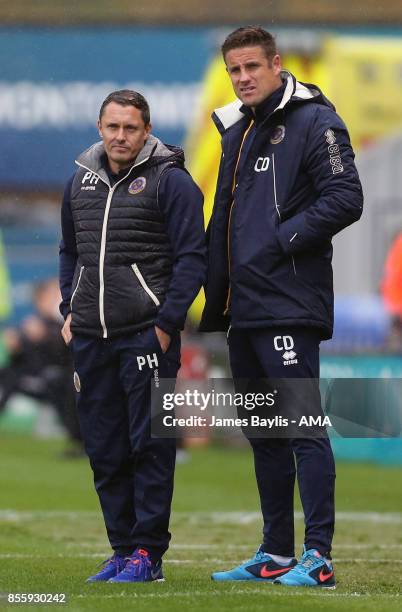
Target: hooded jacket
(269,238)
(129,245)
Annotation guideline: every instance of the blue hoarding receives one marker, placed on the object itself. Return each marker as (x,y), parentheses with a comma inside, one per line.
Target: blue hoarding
(52,82)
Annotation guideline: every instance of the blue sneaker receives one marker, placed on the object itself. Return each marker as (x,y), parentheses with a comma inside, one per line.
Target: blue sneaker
(140,568)
(312,570)
(261,568)
(111,567)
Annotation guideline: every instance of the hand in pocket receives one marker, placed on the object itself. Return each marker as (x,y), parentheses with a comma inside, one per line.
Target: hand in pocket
(163,338)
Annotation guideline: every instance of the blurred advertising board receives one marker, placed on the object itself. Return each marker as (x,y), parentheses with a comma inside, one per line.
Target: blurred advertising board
(54,80)
(366,84)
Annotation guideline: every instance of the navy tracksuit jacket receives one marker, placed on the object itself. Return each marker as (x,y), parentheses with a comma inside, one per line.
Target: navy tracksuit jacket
(287,183)
(269,238)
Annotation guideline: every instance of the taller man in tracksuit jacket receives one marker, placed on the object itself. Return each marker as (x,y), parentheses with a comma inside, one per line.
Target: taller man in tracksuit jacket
(132,259)
(287,183)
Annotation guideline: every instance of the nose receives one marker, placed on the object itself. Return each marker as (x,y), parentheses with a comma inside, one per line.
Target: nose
(121,137)
(243,76)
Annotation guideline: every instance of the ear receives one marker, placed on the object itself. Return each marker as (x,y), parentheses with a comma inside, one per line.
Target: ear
(277,64)
(148,129)
(98,124)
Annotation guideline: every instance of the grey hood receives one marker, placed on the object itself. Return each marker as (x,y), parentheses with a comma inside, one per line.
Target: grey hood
(154,151)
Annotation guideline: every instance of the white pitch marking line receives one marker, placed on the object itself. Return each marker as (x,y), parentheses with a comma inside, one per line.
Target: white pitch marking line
(230,547)
(247,546)
(365,560)
(208,561)
(367,546)
(214,517)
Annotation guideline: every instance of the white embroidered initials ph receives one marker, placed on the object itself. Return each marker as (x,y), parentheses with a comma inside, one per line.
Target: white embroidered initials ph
(151,360)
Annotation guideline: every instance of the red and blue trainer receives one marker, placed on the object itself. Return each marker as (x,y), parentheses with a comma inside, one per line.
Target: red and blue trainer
(111,567)
(140,568)
(261,568)
(313,570)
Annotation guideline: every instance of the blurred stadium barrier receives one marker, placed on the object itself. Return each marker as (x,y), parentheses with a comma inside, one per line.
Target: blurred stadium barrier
(124,12)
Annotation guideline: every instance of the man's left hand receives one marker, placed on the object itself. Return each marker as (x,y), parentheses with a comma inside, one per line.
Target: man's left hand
(164,339)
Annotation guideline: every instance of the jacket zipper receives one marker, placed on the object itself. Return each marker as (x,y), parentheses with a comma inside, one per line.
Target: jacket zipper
(225,312)
(102,261)
(103,240)
(277,206)
(274,179)
(144,285)
(76,287)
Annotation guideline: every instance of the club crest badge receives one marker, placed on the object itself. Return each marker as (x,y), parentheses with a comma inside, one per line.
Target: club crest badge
(77,382)
(330,137)
(137,185)
(278,134)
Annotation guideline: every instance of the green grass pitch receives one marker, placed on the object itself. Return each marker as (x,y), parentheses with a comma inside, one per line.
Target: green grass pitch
(52,536)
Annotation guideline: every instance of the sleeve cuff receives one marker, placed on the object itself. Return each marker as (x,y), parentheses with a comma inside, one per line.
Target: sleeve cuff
(165,326)
(290,236)
(64,310)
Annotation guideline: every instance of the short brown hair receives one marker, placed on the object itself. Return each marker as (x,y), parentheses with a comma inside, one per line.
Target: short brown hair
(250,36)
(127,97)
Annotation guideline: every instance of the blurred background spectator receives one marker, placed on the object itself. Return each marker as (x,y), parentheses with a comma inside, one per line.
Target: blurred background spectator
(391,288)
(39,363)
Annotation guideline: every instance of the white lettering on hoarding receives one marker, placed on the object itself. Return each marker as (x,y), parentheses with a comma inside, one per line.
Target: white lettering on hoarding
(26,105)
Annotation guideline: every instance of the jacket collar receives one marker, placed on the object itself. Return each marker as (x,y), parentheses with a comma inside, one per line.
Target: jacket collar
(226,116)
(267,106)
(92,158)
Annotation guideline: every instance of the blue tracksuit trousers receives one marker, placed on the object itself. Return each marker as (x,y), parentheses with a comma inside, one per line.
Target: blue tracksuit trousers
(262,353)
(133,472)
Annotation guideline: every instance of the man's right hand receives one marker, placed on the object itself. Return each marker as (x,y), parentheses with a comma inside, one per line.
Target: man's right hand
(66,332)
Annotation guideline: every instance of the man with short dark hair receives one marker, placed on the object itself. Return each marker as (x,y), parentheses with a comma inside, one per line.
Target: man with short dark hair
(132,259)
(287,183)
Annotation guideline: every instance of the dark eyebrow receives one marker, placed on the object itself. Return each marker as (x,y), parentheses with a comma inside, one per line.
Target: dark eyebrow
(250,63)
(129,125)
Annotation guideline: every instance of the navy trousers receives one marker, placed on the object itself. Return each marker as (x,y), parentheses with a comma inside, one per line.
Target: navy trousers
(262,353)
(133,472)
